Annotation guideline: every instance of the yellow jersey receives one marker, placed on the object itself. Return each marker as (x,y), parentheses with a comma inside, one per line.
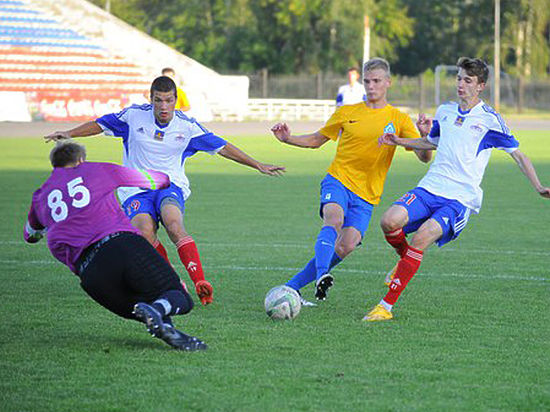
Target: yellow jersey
(360,164)
(182,100)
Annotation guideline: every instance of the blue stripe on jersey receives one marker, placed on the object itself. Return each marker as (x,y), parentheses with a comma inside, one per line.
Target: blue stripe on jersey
(497,140)
(499,118)
(205,143)
(117,126)
(435,131)
(182,115)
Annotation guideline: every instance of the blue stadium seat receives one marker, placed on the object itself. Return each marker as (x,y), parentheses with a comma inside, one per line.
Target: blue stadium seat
(40,33)
(31,43)
(11,3)
(26,19)
(18,10)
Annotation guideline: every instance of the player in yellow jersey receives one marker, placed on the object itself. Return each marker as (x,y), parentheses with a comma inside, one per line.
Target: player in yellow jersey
(355,178)
(182,102)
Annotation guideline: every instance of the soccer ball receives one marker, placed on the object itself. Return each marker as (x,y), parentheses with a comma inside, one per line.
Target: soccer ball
(282,302)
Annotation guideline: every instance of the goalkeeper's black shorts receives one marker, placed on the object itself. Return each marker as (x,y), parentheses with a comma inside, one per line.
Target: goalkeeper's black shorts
(123,269)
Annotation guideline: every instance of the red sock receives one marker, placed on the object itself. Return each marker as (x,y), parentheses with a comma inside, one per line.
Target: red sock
(189,255)
(398,241)
(161,251)
(406,268)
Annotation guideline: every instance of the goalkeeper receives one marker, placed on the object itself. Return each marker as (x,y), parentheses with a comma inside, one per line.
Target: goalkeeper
(88,232)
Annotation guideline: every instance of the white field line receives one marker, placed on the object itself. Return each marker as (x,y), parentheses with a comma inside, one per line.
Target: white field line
(377,248)
(291,270)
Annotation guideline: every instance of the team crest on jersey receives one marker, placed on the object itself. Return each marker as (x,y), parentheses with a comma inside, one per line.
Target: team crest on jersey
(159,135)
(133,206)
(390,128)
(459,121)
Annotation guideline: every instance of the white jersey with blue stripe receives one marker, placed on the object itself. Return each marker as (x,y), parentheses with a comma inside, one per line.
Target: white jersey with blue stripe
(350,94)
(464,142)
(164,148)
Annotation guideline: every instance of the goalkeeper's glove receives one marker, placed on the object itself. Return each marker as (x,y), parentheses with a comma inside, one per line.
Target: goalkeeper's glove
(33,235)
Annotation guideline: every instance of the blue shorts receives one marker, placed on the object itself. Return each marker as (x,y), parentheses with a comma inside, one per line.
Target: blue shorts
(151,201)
(422,205)
(357,212)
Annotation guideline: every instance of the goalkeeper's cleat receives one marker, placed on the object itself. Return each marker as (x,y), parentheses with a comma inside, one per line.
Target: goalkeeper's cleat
(164,330)
(390,275)
(180,340)
(323,284)
(378,313)
(151,317)
(205,292)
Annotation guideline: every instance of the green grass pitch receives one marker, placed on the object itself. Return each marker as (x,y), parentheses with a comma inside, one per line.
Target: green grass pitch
(470,333)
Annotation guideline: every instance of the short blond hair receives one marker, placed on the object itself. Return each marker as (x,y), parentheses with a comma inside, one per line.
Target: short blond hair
(377,63)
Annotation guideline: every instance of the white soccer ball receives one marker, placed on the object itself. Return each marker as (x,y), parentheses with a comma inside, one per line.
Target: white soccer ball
(282,302)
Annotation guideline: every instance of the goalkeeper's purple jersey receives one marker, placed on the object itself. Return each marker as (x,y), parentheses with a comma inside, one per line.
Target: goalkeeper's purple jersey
(78,206)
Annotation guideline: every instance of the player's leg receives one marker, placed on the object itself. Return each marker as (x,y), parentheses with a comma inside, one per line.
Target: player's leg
(444,225)
(335,201)
(404,216)
(171,206)
(308,275)
(332,193)
(429,232)
(356,223)
(172,299)
(123,271)
(141,211)
(325,246)
(408,265)
(394,220)
(126,276)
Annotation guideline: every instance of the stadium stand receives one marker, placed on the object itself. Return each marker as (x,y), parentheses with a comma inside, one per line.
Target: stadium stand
(73,61)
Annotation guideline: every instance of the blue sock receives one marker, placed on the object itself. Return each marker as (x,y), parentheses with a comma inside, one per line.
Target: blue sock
(308,273)
(305,276)
(324,249)
(334,261)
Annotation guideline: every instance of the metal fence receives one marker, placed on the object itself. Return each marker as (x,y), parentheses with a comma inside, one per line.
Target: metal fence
(418,93)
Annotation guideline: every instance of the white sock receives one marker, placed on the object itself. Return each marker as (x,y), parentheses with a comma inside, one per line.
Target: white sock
(386,305)
(165,304)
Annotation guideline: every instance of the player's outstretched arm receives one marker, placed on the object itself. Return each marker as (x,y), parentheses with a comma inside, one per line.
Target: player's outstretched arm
(311,141)
(34,230)
(83,130)
(232,152)
(529,171)
(392,139)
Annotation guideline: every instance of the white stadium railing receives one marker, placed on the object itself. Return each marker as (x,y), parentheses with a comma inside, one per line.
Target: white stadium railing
(289,109)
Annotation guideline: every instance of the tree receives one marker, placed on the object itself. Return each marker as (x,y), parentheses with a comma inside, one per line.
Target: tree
(443,31)
(284,36)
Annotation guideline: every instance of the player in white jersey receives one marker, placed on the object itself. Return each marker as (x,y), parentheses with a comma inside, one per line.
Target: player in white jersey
(353,92)
(438,209)
(158,137)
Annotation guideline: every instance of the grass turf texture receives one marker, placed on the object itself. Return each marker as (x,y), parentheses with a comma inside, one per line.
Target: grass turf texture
(470,333)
